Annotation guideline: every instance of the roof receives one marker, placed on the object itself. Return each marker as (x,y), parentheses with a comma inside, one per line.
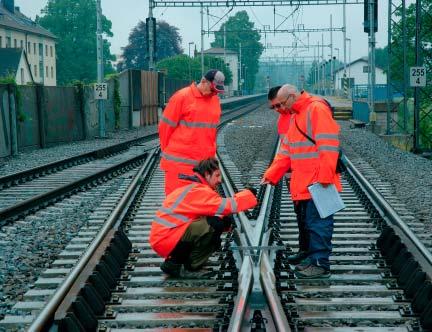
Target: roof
(362,59)
(218,50)
(19,21)
(9,61)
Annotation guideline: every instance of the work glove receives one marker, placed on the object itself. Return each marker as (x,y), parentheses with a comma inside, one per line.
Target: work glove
(252,190)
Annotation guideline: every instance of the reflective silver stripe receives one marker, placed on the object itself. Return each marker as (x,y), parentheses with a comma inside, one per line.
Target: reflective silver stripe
(181,160)
(285,141)
(328,148)
(164,222)
(181,196)
(168,121)
(174,215)
(301,144)
(309,124)
(284,152)
(198,124)
(233,205)
(307,155)
(221,207)
(327,136)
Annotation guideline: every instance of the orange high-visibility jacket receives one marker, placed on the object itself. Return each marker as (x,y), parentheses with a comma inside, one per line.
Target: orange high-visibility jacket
(186,205)
(187,129)
(283,124)
(309,163)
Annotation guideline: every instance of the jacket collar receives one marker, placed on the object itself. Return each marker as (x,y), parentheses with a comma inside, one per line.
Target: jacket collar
(193,178)
(195,91)
(302,102)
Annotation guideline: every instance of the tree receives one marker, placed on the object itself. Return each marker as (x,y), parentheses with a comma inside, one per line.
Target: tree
(74,24)
(240,31)
(178,67)
(135,55)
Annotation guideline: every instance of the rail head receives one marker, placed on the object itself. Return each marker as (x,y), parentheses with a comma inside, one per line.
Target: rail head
(46,315)
(389,214)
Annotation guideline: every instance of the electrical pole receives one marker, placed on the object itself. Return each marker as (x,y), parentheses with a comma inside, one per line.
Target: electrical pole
(332,87)
(322,58)
(151,36)
(371,71)
(202,40)
(419,63)
(100,67)
(240,72)
(344,46)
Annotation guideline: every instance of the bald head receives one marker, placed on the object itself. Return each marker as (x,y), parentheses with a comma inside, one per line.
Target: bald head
(286,90)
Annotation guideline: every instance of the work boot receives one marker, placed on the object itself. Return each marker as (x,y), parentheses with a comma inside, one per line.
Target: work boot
(304,264)
(313,272)
(200,274)
(171,268)
(297,258)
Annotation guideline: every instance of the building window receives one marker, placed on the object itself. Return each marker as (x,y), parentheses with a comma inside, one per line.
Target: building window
(46,50)
(52,72)
(22,75)
(41,73)
(15,43)
(29,47)
(365,69)
(47,72)
(22,44)
(52,51)
(35,70)
(8,42)
(34,48)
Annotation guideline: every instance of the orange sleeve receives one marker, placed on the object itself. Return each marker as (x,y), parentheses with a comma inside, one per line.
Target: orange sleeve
(326,133)
(170,119)
(207,202)
(280,165)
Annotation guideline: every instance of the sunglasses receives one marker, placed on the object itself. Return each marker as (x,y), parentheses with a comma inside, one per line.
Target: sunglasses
(279,105)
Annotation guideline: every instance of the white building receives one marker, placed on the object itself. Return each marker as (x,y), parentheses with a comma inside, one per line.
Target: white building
(358,72)
(18,31)
(232,62)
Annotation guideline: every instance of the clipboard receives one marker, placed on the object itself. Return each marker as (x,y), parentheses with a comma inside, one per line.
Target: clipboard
(326,199)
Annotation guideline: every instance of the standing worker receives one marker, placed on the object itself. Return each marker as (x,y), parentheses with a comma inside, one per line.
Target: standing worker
(310,162)
(187,129)
(187,228)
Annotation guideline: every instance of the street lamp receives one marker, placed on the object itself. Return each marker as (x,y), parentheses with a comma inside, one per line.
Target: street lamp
(189,61)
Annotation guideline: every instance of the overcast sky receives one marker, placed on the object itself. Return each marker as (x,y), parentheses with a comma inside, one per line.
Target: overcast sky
(126,13)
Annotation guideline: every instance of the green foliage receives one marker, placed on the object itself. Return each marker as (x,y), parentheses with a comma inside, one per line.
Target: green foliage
(10,79)
(397,73)
(74,23)
(178,66)
(168,44)
(116,102)
(240,30)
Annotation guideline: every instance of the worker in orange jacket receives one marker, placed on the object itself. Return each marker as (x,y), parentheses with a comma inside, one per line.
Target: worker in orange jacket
(310,163)
(187,228)
(187,129)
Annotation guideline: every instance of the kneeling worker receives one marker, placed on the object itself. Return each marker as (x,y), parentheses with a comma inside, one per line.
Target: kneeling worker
(187,228)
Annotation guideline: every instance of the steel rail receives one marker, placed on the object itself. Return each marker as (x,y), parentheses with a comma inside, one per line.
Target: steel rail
(36,201)
(389,214)
(46,315)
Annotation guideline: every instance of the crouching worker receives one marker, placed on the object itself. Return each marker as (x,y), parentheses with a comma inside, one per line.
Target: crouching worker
(187,228)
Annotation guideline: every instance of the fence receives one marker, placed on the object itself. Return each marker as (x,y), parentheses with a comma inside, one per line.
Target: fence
(38,116)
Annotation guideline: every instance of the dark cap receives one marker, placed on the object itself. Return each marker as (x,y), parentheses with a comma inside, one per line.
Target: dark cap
(217,78)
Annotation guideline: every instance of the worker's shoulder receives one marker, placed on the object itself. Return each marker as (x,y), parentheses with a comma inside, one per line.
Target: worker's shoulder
(182,93)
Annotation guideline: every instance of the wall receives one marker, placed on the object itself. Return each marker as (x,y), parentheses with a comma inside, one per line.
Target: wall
(5,138)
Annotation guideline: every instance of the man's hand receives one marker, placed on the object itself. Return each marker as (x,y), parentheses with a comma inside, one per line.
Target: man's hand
(325,185)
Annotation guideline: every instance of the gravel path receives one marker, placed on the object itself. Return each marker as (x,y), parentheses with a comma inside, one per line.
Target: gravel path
(251,139)
(29,159)
(409,174)
(29,246)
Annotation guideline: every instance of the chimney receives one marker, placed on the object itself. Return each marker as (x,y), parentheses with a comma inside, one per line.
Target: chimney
(9,5)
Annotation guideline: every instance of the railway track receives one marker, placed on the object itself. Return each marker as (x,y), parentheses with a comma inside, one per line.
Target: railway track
(26,192)
(380,271)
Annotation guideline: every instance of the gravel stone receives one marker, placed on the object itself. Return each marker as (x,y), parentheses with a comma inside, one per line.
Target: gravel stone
(36,157)
(409,174)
